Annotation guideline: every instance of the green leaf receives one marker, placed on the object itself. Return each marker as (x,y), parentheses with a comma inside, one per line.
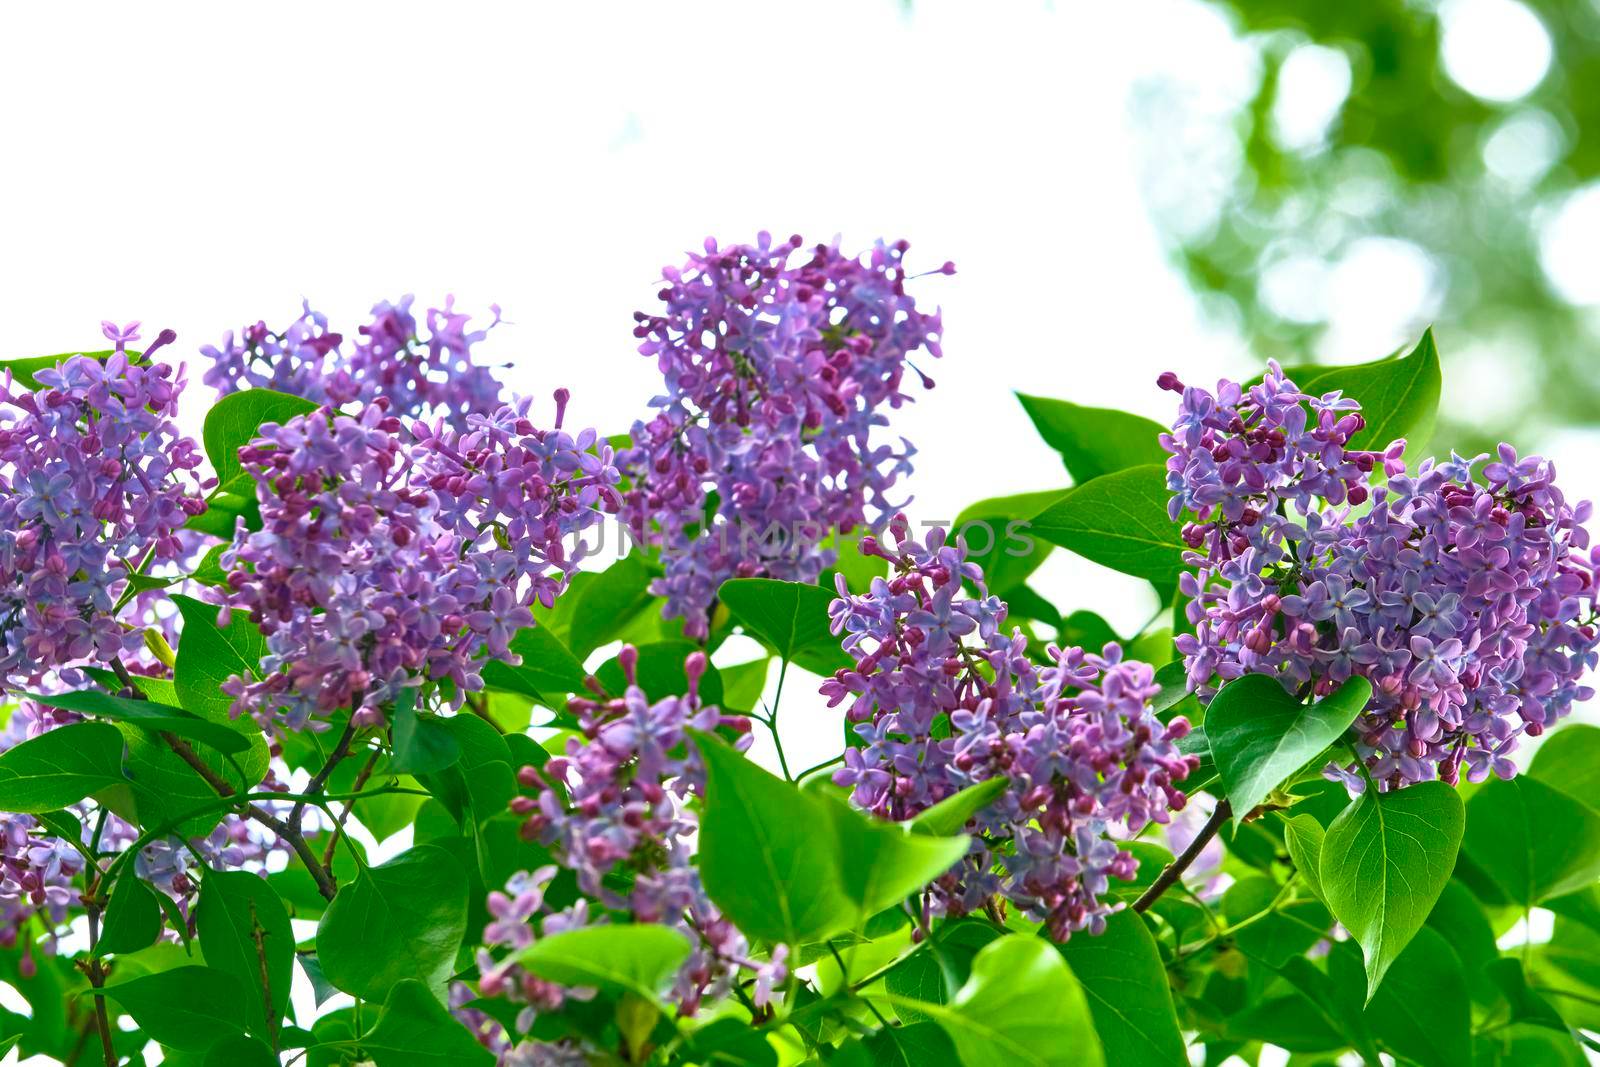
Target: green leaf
(1399,397)
(728,1042)
(1021,1007)
(1385,860)
(208,655)
(209,570)
(1459,917)
(422,744)
(234,907)
(1569,760)
(951,814)
(60,768)
(636,958)
(1534,842)
(1094,441)
(1285,931)
(996,532)
(1126,983)
(790,618)
(188,1008)
(403,920)
(920,1044)
(481,783)
(1526,1004)
(921,976)
(660,672)
(1302,836)
(1120,521)
(164,787)
(794,866)
(607,603)
(148,715)
(236,420)
(416,1031)
(133,916)
(743,683)
(240,1051)
(1261,735)
(1422,1013)
(880,864)
(858,569)
(547,667)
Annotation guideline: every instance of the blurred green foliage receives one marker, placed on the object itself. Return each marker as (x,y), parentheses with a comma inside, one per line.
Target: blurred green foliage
(1409,155)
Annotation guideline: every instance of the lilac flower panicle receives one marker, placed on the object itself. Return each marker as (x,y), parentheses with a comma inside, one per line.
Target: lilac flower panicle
(780,367)
(612,810)
(393,553)
(1466,596)
(942,699)
(421,374)
(96,484)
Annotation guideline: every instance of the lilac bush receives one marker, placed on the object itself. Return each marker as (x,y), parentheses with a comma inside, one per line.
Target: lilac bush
(535,835)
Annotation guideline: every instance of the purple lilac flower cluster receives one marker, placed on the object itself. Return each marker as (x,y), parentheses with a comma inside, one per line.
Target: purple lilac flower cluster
(394,553)
(778,367)
(1466,596)
(612,809)
(433,374)
(943,699)
(95,484)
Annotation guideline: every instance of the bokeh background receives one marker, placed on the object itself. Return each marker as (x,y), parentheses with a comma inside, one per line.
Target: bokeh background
(1125,188)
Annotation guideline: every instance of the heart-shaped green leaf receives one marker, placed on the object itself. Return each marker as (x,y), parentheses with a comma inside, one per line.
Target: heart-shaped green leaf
(1385,860)
(1261,735)
(1119,520)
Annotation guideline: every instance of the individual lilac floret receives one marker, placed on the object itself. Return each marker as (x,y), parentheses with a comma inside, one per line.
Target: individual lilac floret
(420,373)
(942,699)
(779,366)
(1467,598)
(615,803)
(95,484)
(392,555)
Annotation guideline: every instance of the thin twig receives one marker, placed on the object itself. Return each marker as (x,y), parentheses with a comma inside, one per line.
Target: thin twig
(258,935)
(341,749)
(338,826)
(326,884)
(96,972)
(1175,869)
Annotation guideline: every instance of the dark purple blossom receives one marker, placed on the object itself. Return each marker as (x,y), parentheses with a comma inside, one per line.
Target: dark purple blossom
(1468,600)
(96,484)
(395,554)
(942,699)
(780,367)
(615,803)
(420,374)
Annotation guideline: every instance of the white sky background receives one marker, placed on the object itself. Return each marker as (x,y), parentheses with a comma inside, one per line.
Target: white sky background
(200,166)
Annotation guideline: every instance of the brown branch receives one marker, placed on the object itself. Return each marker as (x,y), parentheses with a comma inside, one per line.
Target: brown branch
(326,885)
(341,749)
(1175,869)
(338,826)
(97,974)
(258,935)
